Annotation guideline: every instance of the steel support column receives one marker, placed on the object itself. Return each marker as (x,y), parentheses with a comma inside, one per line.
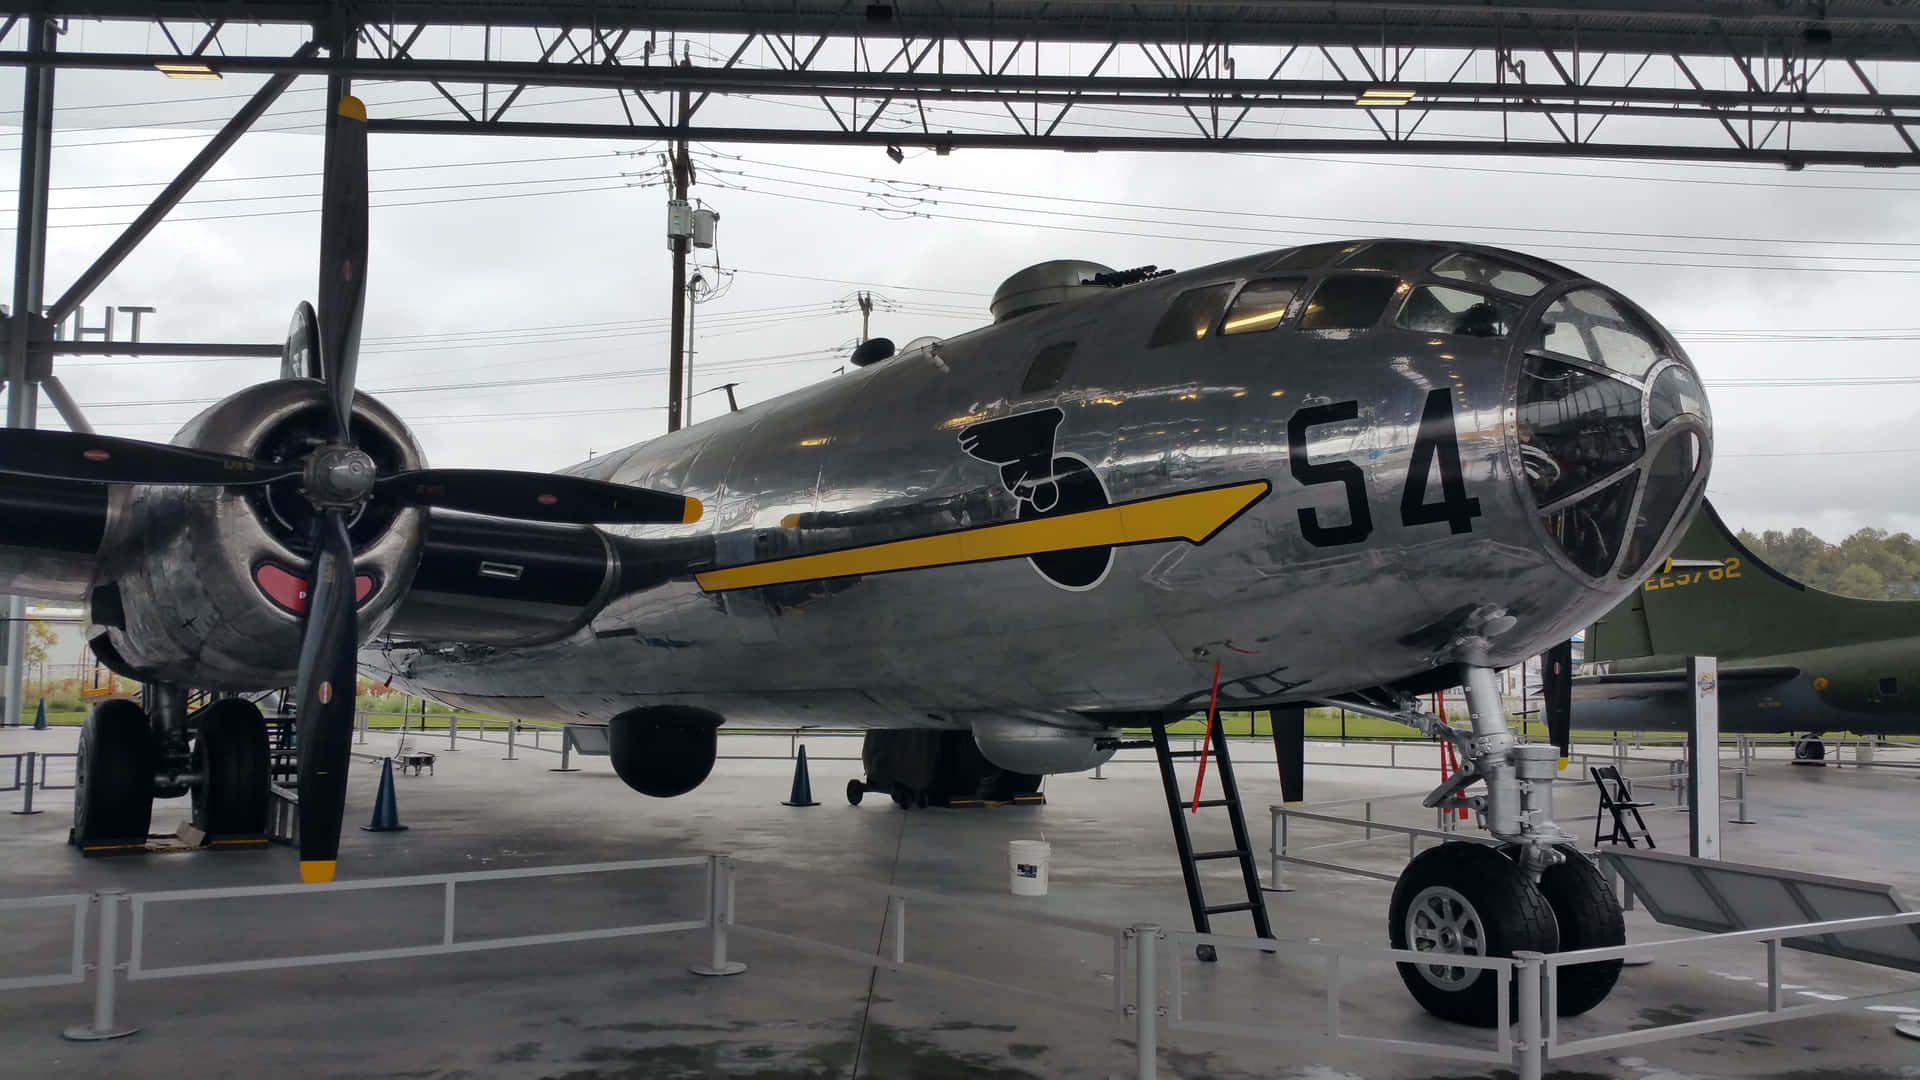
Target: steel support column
(29,280)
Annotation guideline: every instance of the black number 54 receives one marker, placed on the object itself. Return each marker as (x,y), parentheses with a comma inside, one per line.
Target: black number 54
(1436,443)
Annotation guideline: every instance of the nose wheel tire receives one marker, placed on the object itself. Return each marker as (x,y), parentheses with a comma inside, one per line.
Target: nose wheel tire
(1468,900)
(855,789)
(1589,917)
(230,754)
(113,779)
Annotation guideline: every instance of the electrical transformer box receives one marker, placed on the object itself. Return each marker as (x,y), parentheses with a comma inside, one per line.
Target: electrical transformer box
(679,221)
(706,224)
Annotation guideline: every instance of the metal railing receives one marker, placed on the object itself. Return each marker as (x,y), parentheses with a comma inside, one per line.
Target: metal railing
(1773,937)
(30,774)
(1336,959)
(1529,981)
(1281,849)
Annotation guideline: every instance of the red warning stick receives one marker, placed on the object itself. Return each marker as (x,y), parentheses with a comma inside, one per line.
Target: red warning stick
(1206,744)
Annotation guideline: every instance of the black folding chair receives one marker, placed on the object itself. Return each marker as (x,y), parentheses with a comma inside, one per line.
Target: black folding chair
(1618,802)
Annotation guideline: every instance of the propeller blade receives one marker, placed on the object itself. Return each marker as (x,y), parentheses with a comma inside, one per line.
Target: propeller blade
(1556,693)
(343,259)
(300,357)
(102,459)
(530,496)
(325,692)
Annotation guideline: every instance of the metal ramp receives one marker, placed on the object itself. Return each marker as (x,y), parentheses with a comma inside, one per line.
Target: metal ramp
(1255,903)
(1722,897)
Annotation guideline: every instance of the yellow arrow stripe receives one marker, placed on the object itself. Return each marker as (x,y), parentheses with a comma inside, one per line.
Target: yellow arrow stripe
(1193,516)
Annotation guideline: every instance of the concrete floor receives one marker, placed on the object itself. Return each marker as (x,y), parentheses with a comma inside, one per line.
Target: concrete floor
(628,1008)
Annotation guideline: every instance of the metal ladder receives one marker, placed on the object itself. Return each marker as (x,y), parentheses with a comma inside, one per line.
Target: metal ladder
(1255,904)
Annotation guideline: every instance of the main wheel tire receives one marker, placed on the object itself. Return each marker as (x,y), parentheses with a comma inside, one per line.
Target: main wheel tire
(1589,917)
(1466,899)
(1810,748)
(113,777)
(855,789)
(230,754)
(902,796)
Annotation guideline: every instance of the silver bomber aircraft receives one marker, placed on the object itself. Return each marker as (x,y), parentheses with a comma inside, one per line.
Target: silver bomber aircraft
(1345,473)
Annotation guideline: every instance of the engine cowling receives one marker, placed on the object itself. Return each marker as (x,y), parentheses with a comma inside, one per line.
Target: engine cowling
(207,586)
(1028,745)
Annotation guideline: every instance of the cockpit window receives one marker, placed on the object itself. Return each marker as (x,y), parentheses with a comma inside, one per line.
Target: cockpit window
(1576,427)
(1262,305)
(1049,364)
(1402,256)
(1306,258)
(1441,309)
(1667,479)
(1492,273)
(1676,391)
(1589,530)
(1589,326)
(1192,315)
(1348,302)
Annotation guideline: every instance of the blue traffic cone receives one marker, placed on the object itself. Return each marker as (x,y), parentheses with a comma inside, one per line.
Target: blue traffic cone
(386,812)
(40,716)
(802,787)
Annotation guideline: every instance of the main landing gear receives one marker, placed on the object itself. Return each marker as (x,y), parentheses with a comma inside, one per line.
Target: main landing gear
(1534,893)
(1810,749)
(130,755)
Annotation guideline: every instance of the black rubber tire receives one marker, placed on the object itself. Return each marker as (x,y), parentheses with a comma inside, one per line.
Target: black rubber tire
(1810,748)
(113,777)
(1205,954)
(855,789)
(230,754)
(1589,917)
(903,796)
(1510,910)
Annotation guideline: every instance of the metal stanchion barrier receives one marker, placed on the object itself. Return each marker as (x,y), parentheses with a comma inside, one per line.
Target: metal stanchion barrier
(105,974)
(719,914)
(513,731)
(1146,1000)
(33,765)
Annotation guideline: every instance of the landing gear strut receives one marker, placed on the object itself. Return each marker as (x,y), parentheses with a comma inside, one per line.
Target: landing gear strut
(1535,892)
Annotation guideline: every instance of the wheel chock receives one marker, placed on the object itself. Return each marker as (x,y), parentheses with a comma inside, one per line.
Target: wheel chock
(802,787)
(386,810)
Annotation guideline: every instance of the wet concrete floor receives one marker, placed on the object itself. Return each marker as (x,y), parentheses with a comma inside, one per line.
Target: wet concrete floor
(628,1008)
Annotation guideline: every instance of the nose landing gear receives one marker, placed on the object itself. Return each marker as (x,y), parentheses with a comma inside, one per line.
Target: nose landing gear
(1535,892)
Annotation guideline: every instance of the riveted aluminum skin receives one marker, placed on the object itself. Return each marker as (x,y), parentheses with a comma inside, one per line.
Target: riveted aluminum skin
(877,454)
(183,559)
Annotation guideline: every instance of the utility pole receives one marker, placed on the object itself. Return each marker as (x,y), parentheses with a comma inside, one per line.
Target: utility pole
(676,362)
(866,312)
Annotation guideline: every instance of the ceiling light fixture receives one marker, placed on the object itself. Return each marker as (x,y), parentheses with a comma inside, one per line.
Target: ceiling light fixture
(186,70)
(1383,96)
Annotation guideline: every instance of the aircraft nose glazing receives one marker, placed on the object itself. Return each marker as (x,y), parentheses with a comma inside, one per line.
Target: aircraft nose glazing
(1614,434)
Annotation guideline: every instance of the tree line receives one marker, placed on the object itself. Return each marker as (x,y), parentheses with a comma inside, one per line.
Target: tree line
(1871,564)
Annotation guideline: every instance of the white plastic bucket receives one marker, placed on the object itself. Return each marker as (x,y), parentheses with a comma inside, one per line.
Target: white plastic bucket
(1027,866)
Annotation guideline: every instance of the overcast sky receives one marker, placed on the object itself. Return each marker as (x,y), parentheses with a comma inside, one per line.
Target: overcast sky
(497,260)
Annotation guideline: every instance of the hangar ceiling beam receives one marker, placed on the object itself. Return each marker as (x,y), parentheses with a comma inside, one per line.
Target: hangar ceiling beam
(209,155)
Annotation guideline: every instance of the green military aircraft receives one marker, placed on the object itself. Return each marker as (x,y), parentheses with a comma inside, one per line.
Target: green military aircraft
(1792,658)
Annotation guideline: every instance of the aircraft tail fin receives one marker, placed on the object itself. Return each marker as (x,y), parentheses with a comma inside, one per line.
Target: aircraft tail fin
(1718,598)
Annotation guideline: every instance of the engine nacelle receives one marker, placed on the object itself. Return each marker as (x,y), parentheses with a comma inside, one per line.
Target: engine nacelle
(207,586)
(664,750)
(1027,745)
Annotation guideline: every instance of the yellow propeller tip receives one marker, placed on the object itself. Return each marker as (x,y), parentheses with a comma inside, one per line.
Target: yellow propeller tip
(316,871)
(692,512)
(353,108)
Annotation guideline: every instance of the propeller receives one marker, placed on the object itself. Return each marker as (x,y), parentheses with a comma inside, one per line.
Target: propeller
(1556,693)
(337,478)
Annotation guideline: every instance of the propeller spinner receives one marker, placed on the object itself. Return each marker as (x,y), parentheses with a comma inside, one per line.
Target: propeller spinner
(336,478)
